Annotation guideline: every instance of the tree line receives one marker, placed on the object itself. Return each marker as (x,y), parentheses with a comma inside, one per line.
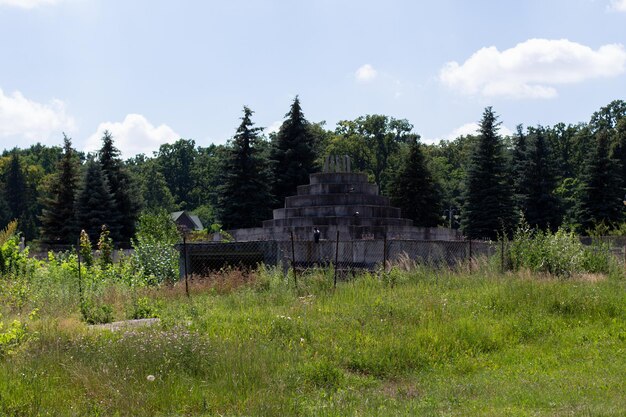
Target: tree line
(571,175)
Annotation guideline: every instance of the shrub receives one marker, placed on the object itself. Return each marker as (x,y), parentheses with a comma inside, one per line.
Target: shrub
(559,253)
(94,313)
(11,337)
(155,256)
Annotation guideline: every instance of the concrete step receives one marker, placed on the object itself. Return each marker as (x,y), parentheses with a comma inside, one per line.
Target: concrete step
(355,188)
(335,200)
(339,211)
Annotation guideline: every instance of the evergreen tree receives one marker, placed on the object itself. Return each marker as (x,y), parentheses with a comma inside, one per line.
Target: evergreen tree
(156,194)
(244,197)
(57,218)
(125,194)
(94,203)
(601,199)
(415,192)
(15,187)
(18,194)
(292,154)
(488,207)
(520,165)
(540,205)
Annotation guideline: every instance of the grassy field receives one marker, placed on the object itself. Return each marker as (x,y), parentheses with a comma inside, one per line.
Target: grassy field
(423,342)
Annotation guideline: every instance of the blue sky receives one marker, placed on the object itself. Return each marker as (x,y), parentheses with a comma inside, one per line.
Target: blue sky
(152,71)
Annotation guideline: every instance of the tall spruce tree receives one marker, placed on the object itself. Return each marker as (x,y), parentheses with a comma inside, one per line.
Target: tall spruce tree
(244,197)
(601,199)
(19,197)
(519,167)
(95,205)
(415,192)
(58,223)
(125,193)
(488,207)
(540,205)
(292,154)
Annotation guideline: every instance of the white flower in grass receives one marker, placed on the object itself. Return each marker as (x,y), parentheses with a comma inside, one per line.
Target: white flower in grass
(150,378)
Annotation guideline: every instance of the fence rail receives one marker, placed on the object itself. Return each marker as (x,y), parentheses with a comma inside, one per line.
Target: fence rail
(199,259)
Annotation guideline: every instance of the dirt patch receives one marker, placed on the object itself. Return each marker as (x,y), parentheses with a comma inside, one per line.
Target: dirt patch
(119,325)
(400,390)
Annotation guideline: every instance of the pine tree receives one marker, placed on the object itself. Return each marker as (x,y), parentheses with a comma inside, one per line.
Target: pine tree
(415,192)
(94,203)
(540,206)
(520,166)
(18,194)
(292,154)
(601,199)
(57,218)
(125,195)
(488,207)
(244,197)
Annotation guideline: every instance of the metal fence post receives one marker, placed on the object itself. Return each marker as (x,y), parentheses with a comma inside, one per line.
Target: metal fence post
(336,259)
(385,254)
(80,280)
(470,254)
(186,265)
(502,256)
(293,260)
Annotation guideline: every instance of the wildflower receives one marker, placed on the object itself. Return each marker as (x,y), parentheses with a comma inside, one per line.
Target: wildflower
(150,378)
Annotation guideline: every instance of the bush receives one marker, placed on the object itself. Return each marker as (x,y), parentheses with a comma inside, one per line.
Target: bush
(94,313)
(155,256)
(559,253)
(11,337)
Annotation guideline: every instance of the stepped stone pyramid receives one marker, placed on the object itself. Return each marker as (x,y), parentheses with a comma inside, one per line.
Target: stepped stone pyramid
(337,199)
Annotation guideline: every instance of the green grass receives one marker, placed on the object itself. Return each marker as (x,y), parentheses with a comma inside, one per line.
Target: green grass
(433,343)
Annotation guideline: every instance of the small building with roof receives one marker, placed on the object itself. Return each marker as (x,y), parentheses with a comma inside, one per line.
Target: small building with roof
(187,220)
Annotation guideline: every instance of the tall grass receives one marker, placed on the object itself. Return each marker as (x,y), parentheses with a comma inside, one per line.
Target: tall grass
(424,342)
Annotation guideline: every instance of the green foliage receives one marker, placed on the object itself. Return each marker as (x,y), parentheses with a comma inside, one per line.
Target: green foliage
(559,253)
(85,250)
(488,206)
(244,195)
(144,308)
(96,313)
(415,192)
(602,192)
(14,261)
(535,181)
(124,191)
(94,203)
(176,162)
(436,342)
(105,246)
(292,154)
(156,194)
(375,145)
(11,336)
(19,195)
(154,255)
(57,217)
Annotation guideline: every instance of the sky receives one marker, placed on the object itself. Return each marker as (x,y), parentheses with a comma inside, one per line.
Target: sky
(153,71)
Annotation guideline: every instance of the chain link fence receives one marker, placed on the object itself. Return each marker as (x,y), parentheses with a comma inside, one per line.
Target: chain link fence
(346,257)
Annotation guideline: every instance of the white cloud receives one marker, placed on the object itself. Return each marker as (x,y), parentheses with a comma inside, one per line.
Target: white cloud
(133,136)
(27,4)
(618,5)
(21,118)
(365,74)
(273,128)
(532,68)
(467,129)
